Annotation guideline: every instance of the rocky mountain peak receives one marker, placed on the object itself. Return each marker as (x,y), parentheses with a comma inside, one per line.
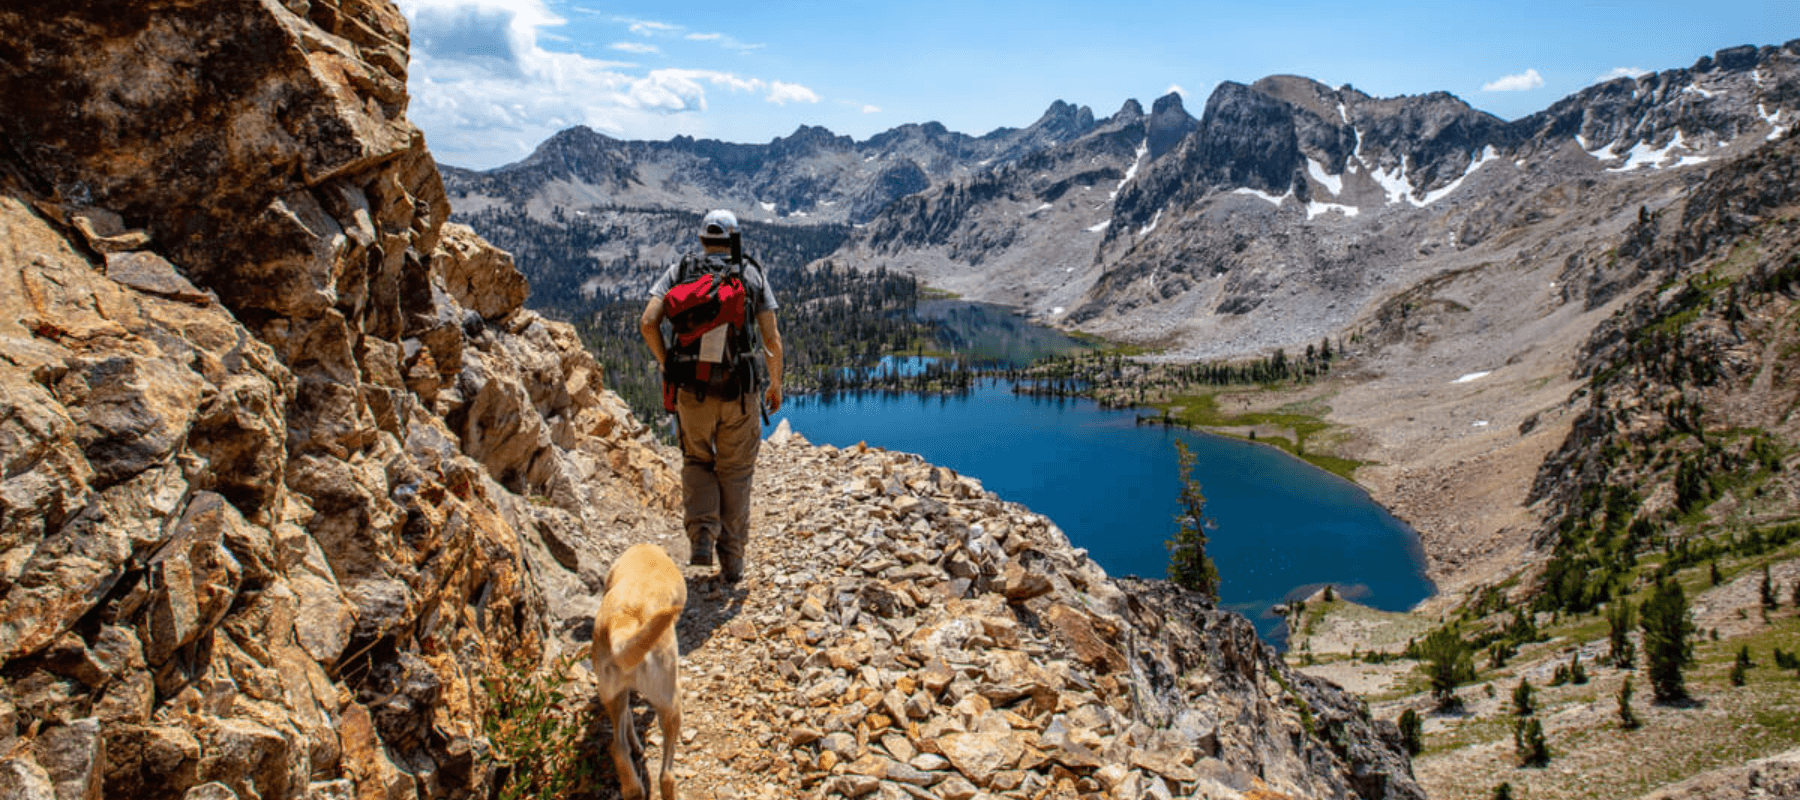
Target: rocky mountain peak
(1169,123)
(1062,121)
(809,140)
(1305,93)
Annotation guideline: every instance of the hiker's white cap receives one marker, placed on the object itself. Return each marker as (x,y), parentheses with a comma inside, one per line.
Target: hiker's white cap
(719,224)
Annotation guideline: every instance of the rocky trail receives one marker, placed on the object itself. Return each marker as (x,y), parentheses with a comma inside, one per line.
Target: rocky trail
(902,633)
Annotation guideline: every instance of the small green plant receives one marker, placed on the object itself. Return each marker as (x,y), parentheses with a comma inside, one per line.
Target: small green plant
(1529,742)
(1503,792)
(535,733)
(1412,732)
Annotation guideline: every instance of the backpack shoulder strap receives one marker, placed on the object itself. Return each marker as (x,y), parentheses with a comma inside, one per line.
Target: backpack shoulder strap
(687,269)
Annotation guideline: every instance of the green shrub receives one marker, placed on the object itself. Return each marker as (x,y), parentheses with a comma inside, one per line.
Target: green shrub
(535,730)
(1412,732)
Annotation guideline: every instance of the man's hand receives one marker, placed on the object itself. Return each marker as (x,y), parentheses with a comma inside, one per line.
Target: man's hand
(772,398)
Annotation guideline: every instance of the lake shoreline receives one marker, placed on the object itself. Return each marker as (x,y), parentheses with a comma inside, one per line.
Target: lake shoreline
(1281,530)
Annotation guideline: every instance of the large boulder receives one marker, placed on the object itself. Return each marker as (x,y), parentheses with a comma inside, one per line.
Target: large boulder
(283,478)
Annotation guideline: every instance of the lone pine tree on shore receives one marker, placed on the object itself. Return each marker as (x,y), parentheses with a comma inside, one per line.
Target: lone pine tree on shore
(1189,567)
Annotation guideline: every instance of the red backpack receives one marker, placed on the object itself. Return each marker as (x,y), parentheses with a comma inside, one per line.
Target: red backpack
(714,347)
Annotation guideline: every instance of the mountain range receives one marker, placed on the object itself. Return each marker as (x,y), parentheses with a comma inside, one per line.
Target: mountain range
(1288,210)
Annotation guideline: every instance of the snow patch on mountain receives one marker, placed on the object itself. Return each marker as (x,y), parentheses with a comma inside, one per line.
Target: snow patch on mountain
(1332,183)
(1152,226)
(1774,121)
(1315,208)
(1488,153)
(1644,154)
(1393,182)
(1262,195)
(1131,172)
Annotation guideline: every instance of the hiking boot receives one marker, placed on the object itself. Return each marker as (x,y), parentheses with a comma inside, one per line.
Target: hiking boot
(701,555)
(731,571)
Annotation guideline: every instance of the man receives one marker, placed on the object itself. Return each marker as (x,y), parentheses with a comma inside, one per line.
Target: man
(719,427)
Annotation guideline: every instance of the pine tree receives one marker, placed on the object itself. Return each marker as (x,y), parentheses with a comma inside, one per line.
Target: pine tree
(1741,667)
(1503,792)
(1628,719)
(1523,705)
(1529,742)
(1189,567)
(1412,732)
(1619,621)
(1667,640)
(1770,601)
(1447,665)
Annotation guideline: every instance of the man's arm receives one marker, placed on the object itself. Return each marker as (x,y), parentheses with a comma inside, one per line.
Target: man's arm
(771,336)
(650,325)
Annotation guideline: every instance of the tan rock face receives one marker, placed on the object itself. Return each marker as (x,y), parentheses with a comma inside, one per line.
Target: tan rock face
(267,446)
(288,469)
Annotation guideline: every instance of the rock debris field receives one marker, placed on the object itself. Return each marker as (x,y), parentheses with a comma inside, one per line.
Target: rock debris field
(903,633)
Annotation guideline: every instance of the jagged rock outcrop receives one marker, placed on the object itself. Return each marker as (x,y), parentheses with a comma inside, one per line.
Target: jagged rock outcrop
(289,470)
(904,633)
(269,425)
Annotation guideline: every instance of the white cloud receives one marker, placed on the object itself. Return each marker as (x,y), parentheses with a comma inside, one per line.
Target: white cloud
(486,90)
(724,41)
(1175,88)
(868,109)
(648,28)
(1527,80)
(1622,72)
(782,93)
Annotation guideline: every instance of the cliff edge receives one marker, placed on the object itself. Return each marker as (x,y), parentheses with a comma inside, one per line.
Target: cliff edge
(290,468)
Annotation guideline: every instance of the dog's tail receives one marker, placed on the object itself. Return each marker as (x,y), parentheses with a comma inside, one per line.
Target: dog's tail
(630,646)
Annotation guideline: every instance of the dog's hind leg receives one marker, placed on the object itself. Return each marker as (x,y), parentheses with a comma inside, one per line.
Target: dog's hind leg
(618,709)
(670,718)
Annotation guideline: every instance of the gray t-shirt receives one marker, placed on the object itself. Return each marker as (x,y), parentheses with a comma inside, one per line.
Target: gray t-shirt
(762,297)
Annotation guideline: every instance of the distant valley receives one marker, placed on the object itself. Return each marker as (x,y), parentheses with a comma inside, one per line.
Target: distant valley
(1435,241)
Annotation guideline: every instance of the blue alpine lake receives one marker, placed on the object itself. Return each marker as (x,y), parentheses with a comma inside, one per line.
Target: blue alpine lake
(1282,528)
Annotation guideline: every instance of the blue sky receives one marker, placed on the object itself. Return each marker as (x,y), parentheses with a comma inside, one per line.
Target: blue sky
(490,79)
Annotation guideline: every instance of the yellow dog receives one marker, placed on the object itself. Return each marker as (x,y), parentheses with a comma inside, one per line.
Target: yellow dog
(635,648)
